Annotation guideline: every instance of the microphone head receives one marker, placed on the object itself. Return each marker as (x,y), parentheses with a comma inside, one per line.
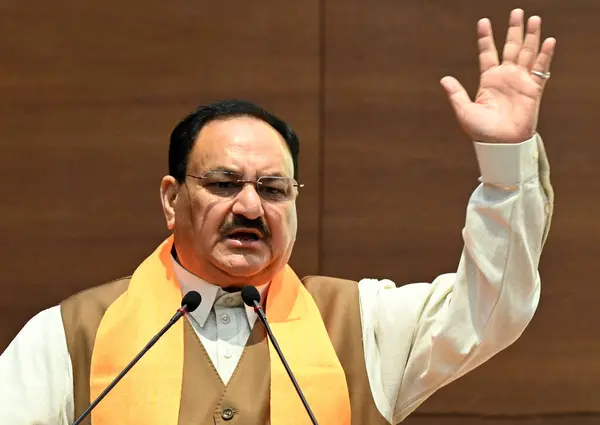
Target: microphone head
(250,296)
(191,301)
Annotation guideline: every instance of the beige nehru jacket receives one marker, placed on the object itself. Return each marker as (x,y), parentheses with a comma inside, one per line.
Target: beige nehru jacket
(397,344)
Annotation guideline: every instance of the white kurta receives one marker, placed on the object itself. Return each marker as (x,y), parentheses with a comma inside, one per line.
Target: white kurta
(417,338)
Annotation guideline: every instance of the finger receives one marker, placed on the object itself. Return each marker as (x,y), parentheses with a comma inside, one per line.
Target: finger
(488,55)
(514,37)
(544,59)
(531,45)
(456,94)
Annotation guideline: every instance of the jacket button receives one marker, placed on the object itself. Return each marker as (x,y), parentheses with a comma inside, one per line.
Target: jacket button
(227,414)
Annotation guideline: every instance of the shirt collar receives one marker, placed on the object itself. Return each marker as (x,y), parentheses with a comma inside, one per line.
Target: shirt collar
(211,293)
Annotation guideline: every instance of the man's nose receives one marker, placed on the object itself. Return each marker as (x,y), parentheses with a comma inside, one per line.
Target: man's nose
(248,203)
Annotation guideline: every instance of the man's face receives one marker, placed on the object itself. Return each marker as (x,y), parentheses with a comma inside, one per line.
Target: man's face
(228,233)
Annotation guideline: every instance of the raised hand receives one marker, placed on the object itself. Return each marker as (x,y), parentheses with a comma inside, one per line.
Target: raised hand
(506,106)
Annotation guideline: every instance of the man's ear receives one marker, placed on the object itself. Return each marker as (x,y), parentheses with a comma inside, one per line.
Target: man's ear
(169,192)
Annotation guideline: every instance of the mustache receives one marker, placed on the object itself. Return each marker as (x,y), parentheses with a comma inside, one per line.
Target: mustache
(241,222)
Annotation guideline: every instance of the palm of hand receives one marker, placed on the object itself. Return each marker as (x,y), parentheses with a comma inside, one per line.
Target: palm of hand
(506,106)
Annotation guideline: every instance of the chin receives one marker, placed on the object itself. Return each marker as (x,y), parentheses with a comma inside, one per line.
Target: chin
(242,265)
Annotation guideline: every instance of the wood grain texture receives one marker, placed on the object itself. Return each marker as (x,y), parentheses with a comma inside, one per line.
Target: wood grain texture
(398,173)
(89,93)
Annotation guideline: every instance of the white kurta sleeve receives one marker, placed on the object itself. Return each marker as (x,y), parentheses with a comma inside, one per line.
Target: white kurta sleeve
(35,374)
(422,336)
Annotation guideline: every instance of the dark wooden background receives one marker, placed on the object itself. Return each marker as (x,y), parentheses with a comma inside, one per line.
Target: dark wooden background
(89,92)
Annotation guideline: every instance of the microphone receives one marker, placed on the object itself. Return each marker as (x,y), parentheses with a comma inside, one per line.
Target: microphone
(251,298)
(189,303)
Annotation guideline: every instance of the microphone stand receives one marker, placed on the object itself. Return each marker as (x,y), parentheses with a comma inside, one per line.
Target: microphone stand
(261,314)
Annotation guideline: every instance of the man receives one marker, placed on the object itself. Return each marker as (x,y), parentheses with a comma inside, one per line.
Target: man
(364,352)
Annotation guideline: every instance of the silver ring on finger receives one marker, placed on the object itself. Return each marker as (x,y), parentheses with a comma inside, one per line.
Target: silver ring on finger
(544,75)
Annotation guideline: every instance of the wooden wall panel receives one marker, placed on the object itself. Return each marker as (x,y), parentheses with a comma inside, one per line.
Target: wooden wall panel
(398,173)
(89,93)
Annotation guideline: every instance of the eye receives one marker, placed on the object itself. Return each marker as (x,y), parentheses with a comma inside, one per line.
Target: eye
(222,185)
(272,190)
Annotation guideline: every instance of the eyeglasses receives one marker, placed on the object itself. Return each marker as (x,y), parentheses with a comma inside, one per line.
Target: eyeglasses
(226,184)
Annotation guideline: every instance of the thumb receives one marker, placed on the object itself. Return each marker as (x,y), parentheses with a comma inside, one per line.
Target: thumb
(456,94)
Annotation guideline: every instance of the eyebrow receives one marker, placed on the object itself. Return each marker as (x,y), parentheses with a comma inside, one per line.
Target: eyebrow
(225,169)
(237,173)
(275,174)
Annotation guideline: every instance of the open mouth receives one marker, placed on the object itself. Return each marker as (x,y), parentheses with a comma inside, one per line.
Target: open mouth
(245,235)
